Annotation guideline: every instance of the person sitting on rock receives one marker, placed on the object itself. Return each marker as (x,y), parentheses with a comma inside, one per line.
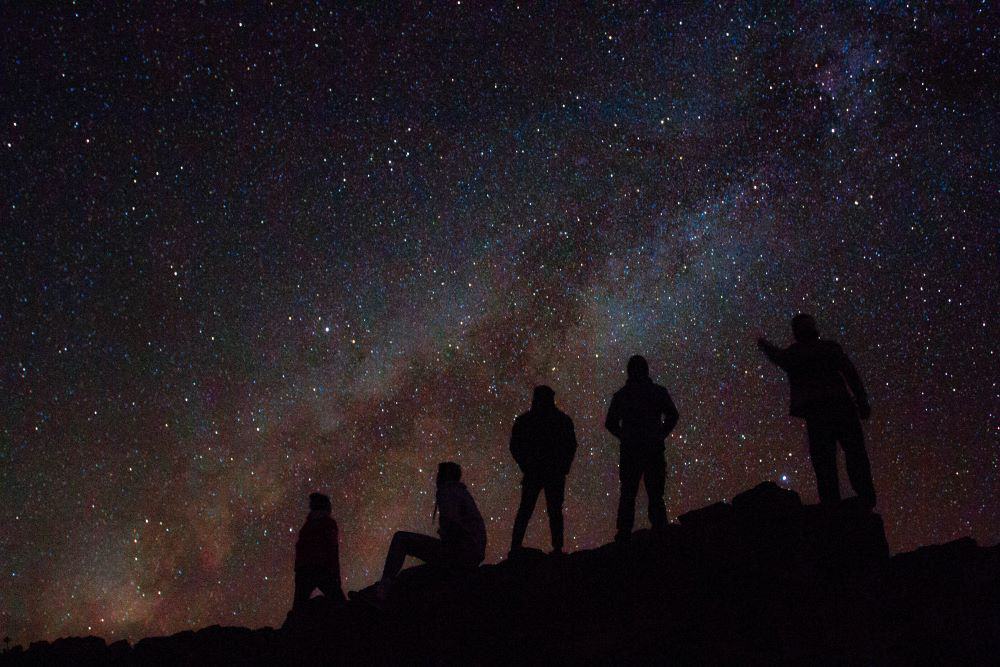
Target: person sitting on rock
(543,443)
(462,532)
(819,376)
(317,554)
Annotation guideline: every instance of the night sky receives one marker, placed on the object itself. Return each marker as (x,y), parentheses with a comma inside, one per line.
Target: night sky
(250,254)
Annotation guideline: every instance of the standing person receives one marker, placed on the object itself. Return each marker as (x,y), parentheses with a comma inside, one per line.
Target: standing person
(317,554)
(543,443)
(641,416)
(819,377)
(462,541)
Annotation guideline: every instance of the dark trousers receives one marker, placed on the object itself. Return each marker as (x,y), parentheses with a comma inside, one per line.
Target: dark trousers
(825,431)
(431,550)
(638,464)
(555,489)
(310,577)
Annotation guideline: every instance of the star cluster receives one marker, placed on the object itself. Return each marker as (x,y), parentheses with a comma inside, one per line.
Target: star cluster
(253,252)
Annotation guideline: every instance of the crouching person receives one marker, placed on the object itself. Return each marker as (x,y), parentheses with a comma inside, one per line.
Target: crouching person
(317,554)
(462,532)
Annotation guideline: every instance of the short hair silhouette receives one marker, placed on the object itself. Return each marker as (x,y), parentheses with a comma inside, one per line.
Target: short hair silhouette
(804,328)
(638,367)
(319,501)
(826,390)
(543,397)
(449,471)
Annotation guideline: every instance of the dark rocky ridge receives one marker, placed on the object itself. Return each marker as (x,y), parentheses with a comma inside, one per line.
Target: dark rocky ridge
(762,580)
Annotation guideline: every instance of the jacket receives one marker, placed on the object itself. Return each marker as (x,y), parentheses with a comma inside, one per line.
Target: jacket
(461,526)
(819,375)
(543,443)
(318,544)
(641,415)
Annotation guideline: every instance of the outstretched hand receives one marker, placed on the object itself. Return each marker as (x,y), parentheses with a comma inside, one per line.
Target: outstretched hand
(762,343)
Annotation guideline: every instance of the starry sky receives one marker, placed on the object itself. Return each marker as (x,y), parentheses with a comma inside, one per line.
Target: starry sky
(250,252)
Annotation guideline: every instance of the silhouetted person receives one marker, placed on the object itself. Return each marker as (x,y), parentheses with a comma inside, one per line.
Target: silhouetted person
(543,443)
(462,541)
(819,376)
(317,554)
(641,416)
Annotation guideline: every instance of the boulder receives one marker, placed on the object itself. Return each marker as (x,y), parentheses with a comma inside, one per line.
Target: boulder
(767,500)
(706,516)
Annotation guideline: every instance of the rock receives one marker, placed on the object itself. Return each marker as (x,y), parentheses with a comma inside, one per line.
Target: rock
(763,580)
(767,500)
(706,516)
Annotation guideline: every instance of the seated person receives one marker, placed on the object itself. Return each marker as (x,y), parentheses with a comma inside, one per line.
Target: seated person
(317,554)
(462,542)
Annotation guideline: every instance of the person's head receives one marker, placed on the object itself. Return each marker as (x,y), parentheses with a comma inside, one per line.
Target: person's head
(448,471)
(319,502)
(804,328)
(543,397)
(638,368)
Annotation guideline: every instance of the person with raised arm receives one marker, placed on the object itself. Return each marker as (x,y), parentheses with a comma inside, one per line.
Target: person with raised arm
(826,391)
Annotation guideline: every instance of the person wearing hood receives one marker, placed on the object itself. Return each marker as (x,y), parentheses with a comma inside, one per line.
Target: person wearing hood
(317,554)
(641,416)
(461,541)
(543,444)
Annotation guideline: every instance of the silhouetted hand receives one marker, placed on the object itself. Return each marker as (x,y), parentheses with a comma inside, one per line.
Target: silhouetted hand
(864,409)
(762,343)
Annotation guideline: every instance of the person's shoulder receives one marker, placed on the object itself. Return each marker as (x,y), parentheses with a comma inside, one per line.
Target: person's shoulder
(830,346)
(521,418)
(450,489)
(320,522)
(658,390)
(563,417)
(798,349)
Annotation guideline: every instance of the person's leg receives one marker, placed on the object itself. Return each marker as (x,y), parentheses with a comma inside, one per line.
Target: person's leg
(426,548)
(655,475)
(859,469)
(304,585)
(555,491)
(629,471)
(823,453)
(330,586)
(529,495)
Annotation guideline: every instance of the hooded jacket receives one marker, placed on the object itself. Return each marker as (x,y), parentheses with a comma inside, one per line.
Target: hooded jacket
(641,414)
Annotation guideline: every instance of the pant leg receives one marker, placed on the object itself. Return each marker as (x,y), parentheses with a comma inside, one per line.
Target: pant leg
(629,472)
(655,475)
(555,492)
(859,469)
(304,585)
(823,453)
(426,548)
(329,585)
(529,495)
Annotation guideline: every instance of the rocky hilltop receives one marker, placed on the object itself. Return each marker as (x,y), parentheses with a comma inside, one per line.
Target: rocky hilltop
(764,579)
